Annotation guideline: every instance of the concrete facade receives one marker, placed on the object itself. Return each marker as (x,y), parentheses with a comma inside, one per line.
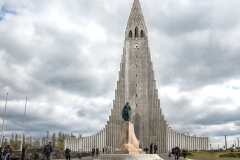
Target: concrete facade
(137,86)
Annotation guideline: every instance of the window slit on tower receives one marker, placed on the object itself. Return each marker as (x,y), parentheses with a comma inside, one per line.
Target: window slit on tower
(136,75)
(136,32)
(142,35)
(136,85)
(130,33)
(136,95)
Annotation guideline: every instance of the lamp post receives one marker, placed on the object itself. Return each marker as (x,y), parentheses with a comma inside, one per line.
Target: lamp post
(238,143)
(3,121)
(226,142)
(23,125)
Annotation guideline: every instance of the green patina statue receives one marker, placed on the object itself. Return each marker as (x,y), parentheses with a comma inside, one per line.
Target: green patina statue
(126,112)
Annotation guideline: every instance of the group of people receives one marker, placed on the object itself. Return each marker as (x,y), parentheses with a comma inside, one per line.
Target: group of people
(176,152)
(95,150)
(47,152)
(5,152)
(153,149)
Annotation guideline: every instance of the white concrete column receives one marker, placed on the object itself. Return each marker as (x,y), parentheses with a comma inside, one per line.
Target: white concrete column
(90,143)
(173,139)
(179,140)
(168,139)
(105,138)
(84,145)
(207,145)
(186,140)
(75,144)
(99,141)
(89,146)
(190,142)
(199,143)
(70,143)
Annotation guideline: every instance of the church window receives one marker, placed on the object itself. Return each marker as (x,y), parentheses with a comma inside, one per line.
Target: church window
(142,34)
(136,75)
(137,128)
(136,56)
(136,105)
(136,95)
(130,33)
(136,85)
(136,32)
(136,65)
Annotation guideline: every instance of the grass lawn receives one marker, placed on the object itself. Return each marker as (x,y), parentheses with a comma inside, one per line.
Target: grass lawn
(210,156)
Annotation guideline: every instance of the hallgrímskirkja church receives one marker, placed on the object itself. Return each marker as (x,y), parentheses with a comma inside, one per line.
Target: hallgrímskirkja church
(137,86)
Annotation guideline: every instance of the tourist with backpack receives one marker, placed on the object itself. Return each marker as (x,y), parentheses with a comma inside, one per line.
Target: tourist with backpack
(6,152)
(23,153)
(184,153)
(176,152)
(9,152)
(67,154)
(93,152)
(97,151)
(155,148)
(48,151)
(151,148)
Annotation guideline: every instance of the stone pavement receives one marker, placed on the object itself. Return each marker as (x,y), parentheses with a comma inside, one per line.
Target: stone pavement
(163,156)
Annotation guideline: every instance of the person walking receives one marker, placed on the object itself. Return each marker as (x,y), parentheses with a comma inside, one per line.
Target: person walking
(1,153)
(5,153)
(67,154)
(151,148)
(93,152)
(184,153)
(48,151)
(146,150)
(155,148)
(97,151)
(9,149)
(176,152)
(23,153)
(36,155)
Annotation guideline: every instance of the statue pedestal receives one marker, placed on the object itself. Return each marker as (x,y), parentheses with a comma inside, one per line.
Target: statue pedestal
(128,143)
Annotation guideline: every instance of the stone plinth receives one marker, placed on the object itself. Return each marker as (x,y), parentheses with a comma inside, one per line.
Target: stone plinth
(128,143)
(129,157)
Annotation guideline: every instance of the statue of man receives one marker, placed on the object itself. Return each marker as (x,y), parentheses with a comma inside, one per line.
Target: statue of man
(126,112)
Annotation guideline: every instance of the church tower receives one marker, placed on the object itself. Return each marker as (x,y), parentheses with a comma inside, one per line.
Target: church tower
(137,86)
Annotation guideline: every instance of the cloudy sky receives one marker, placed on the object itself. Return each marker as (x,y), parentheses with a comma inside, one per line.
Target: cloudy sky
(65,55)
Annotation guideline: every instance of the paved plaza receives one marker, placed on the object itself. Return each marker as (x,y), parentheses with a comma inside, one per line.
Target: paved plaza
(163,156)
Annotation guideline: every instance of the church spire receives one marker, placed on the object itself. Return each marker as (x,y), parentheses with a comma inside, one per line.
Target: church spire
(136,26)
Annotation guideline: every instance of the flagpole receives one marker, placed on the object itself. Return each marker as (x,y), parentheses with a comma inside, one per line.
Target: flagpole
(3,120)
(23,124)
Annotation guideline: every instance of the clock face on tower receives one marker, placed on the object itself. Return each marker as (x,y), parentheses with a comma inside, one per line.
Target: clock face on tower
(136,46)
